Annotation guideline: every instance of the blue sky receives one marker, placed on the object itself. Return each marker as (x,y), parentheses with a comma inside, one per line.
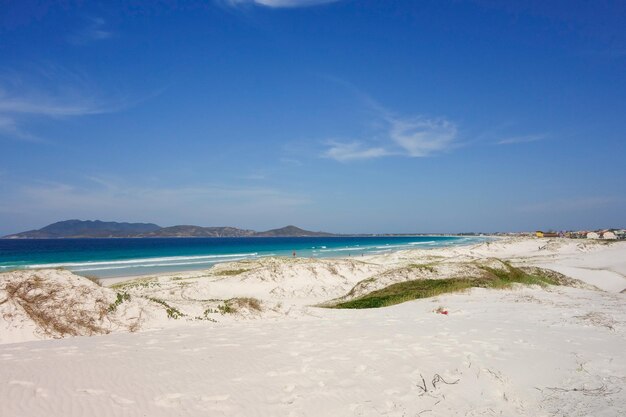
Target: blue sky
(346,116)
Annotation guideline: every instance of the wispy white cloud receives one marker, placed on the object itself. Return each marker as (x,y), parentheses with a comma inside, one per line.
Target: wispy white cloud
(410,137)
(392,134)
(521,139)
(352,151)
(279,3)
(422,136)
(50,95)
(95,29)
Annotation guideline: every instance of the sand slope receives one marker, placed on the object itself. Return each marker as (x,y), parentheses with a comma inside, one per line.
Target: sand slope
(527,352)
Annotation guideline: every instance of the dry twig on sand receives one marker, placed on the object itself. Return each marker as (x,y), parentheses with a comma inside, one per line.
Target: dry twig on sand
(436,380)
(601,391)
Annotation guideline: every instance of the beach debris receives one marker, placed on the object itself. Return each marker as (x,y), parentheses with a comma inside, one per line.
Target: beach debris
(436,380)
(441,310)
(596,318)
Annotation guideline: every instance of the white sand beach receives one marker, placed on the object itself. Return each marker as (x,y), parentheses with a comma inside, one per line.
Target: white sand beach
(250,338)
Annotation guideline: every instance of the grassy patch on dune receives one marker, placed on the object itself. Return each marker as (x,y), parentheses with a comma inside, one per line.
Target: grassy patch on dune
(139,283)
(235,305)
(231,272)
(172,312)
(424,288)
(121,297)
(422,267)
(55,310)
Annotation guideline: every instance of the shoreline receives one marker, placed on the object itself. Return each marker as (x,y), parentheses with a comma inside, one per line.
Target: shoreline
(105,262)
(108,281)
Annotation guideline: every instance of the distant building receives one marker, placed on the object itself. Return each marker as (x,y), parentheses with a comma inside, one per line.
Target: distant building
(609,235)
(539,233)
(593,235)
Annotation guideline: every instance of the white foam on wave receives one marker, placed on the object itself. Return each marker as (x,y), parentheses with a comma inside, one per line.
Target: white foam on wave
(141,260)
(391,246)
(155,265)
(344,249)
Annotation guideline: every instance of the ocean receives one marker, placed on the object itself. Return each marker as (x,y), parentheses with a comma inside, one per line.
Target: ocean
(108,258)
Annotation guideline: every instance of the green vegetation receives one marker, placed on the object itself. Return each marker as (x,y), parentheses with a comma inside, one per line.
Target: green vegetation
(231,272)
(121,297)
(172,312)
(510,274)
(422,267)
(424,288)
(137,283)
(235,304)
(205,315)
(209,311)
(226,308)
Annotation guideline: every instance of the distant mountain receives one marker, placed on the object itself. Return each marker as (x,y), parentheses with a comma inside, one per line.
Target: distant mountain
(100,229)
(87,228)
(197,231)
(291,231)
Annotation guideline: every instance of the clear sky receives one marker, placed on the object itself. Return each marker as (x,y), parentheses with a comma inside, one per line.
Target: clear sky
(345,116)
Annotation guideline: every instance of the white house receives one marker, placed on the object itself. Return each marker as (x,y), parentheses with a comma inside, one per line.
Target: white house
(608,235)
(593,235)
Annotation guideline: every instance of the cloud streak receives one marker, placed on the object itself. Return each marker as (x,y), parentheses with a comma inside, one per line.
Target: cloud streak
(414,137)
(420,137)
(352,151)
(520,139)
(278,4)
(95,30)
(55,96)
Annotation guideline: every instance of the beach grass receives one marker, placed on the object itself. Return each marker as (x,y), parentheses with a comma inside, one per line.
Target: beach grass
(234,305)
(231,272)
(425,288)
(137,283)
(172,312)
(120,298)
(422,267)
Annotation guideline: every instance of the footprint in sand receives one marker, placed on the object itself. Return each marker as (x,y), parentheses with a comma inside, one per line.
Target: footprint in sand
(215,398)
(290,399)
(90,391)
(168,400)
(42,392)
(360,368)
(22,383)
(121,400)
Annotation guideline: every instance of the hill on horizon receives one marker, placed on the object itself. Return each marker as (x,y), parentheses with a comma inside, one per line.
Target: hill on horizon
(100,229)
(292,231)
(86,228)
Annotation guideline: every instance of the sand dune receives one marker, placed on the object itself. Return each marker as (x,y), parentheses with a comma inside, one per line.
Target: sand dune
(526,351)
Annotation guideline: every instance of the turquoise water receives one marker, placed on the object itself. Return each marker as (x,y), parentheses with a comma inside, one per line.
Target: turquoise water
(107,258)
